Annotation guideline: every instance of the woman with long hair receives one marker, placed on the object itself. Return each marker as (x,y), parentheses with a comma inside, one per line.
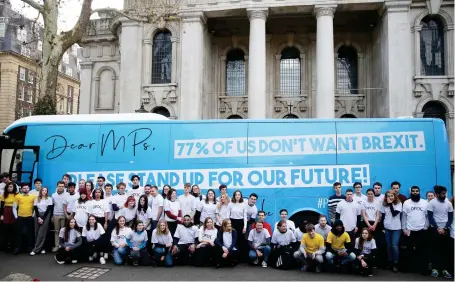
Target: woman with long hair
(207,207)
(206,243)
(81,208)
(118,240)
(162,243)
(7,218)
(129,211)
(196,192)
(90,187)
(222,211)
(238,215)
(100,208)
(365,249)
(391,210)
(70,242)
(137,242)
(165,191)
(92,240)
(226,253)
(282,254)
(173,211)
(144,213)
(43,209)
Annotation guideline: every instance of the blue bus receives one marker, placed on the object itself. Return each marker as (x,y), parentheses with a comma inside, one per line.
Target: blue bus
(290,164)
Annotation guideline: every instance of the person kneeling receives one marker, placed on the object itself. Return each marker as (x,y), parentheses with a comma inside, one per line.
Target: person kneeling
(226,246)
(184,241)
(92,240)
(118,240)
(365,247)
(339,245)
(205,247)
(70,242)
(162,244)
(137,241)
(311,249)
(259,241)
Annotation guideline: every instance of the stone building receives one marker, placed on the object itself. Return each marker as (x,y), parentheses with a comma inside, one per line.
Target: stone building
(232,59)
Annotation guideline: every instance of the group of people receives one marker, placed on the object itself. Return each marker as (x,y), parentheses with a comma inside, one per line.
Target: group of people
(142,226)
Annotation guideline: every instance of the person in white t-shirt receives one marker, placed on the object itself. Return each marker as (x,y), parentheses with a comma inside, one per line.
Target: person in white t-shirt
(187,201)
(282,242)
(58,214)
(38,183)
(100,208)
(207,207)
(259,242)
(157,206)
(92,241)
(371,212)
(162,243)
(118,200)
(82,209)
(391,210)
(222,211)
(43,209)
(70,244)
(184,241)
(173,211)
(136,190)
(358,196)
(365,249)
(223,191)
(205,244)
(378,196)
(71,197)
(289,223)
(197,193)
(251,211)
(349,212)
(118,240)
(129,211)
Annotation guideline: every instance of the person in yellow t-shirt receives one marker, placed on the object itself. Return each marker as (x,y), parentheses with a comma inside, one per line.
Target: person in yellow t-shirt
(7,216)
(25,225)
(339,245)
(312,248)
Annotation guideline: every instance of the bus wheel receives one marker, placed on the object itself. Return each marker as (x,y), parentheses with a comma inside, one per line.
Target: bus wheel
(310,216)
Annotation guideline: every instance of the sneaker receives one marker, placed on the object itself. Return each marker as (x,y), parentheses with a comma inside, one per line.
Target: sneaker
(264,264)
(32,253)
(102,260)
(74,261)
(90,258)
(256,261)
(395,268)
(43,252)
(95,255)
(446,274)
(370,275)
(55,249)
(318,268)
(135,262)
(303,268)
(106,255)
(434,273)
(59,262)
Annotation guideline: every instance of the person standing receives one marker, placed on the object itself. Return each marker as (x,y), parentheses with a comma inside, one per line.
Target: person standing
(261,216)
(7,216)
(238,217)
(136,190)
(378,196)
(71,198)
(289,223)
(440,215)
(43,209)
(173,211)
(81,209)
(358,196)
(207,207)
(334,200)
(187,201)
(156,207)
(24,224)
(395,186)
(251,211)
(349,212)
(222,211)
(322,227)
(391,210)
(58,218)
(37,183)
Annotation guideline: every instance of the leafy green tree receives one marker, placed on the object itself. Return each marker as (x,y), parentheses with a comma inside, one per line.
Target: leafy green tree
(46,105)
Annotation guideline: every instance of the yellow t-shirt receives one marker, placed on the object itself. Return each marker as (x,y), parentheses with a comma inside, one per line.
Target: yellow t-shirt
(338,242)
(9,201)
(25,204)
(312,244)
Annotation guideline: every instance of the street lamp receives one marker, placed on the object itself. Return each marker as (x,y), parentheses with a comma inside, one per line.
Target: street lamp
(141,109)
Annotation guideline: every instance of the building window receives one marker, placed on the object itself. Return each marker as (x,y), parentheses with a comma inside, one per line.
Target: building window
(234,117)
(28,95)
(162,58)
(40,45)
(432,46)
(69,71)
(161,111)
(347,82)
(290,116)
(348,116)
(434,109)
(290,83)
(66,58)
(22,73)
(21,34)
(31,79)
(69,104)
(21,93)
(235,73)
(2,29)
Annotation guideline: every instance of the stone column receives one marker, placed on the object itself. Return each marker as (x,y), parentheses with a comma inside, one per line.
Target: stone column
(325,62)
(257,65)
(85,97)
(130,66)
(147,61)
(398,59)
(416,30)
(192,48)
(174,41)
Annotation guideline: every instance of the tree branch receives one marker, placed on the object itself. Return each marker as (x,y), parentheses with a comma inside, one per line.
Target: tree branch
(77,32)
(34,5)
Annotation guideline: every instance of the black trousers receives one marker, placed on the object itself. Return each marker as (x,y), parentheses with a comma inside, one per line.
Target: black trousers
(242,243)
(24,229)
(230,260)
(183,257)
(67,256)
(369,259)
(203,256)
(7,236)
(440,254)
(413,256)
(172,225)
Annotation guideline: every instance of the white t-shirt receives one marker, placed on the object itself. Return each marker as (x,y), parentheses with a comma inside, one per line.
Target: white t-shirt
(371,208)
(120,238)
(93,234)
(258,238)
(440,211)
(251,212)
(392,222)
(367,246)
(360,199)
(187,205)
(162,239)
(207,210)
(108,199)
(70,200)
(120,201)
(98,208)
(129,213)
(43,204)
(227,240)
(173,207)
(298,234)
(379,199)
(144,216)
(348,214)
(136,193)
(207,234)
(416,214)
(81,212)
(73,235)
(283,239)
(186,235)
(59,200)
(289,224)
(223,213)
(157,202)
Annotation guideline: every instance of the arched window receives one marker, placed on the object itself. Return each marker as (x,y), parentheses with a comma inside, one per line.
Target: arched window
(432,46)
(234,117)
(235,73)
(290,83)
(161,111)
(347,81)
(162,58)
(434,109)
(348,116)
(290,116)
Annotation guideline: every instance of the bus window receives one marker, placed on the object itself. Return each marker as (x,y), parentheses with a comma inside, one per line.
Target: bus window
(6,157)
(20,163)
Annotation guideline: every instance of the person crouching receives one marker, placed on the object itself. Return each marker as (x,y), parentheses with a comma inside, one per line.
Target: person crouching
(312,248)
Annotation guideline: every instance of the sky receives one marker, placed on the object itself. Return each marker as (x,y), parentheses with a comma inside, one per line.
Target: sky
(69,10)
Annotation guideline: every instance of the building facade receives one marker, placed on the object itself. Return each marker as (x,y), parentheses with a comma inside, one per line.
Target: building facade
(231,59)
(20,56)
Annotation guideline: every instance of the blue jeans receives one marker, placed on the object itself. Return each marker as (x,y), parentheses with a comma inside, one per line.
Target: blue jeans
(120,254)
(392,239)
(159,252)
(344,260)
(265,252)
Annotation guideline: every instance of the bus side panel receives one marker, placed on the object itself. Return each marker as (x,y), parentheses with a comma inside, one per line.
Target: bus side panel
(442,156)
